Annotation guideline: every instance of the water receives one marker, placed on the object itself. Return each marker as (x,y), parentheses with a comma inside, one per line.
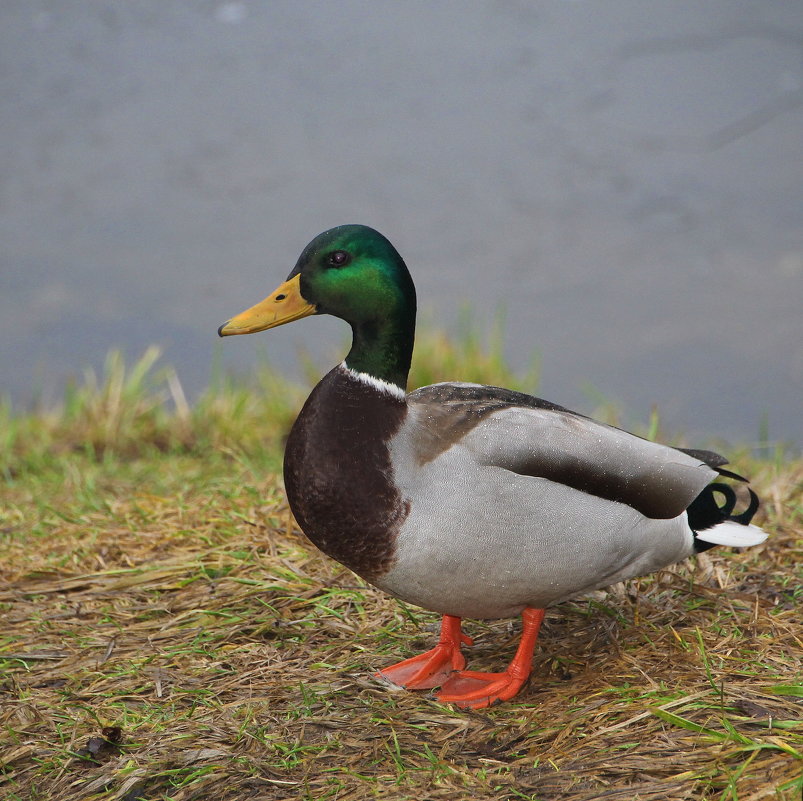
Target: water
(625,178)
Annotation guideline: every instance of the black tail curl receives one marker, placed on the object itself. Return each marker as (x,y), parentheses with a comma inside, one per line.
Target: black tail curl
(704,511)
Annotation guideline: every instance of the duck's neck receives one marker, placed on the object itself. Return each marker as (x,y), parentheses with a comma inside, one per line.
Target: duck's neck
(383,349)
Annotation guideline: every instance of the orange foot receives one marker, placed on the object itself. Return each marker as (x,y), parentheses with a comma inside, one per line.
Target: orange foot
(468,688)
(434,667)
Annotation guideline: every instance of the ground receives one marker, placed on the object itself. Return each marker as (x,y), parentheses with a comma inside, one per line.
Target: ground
(168,633)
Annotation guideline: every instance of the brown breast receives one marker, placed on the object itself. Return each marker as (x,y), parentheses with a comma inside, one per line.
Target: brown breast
(338,474)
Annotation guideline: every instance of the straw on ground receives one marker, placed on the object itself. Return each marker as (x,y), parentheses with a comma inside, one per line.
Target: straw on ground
(167,633)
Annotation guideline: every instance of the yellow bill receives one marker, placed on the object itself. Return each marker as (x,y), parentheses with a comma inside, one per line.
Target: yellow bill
(283,306)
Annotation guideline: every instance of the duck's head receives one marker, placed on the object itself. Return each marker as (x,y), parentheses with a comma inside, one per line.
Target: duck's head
(355,273)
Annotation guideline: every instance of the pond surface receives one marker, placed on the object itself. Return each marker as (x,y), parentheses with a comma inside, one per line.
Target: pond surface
(625,179)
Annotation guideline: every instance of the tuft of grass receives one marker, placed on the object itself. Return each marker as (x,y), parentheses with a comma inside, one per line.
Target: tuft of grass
(168,633)
(140,410)
(471,355)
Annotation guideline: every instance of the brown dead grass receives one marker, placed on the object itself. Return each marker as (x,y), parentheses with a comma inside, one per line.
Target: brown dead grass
(189,644)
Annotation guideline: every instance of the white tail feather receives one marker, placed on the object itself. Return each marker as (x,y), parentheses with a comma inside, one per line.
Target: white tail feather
(735,534)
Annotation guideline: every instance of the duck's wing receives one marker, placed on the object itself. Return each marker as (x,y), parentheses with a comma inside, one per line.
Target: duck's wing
(526,435)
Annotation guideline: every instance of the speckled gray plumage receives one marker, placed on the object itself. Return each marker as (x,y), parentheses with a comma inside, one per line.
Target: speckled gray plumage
(492,529)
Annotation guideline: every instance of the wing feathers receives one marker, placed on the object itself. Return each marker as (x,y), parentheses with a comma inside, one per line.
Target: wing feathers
(536,438)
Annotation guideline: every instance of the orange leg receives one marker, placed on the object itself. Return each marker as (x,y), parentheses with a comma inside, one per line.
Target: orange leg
(469,688)
(434,667)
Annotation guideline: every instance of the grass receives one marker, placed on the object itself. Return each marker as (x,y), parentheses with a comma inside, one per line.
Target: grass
(169,634)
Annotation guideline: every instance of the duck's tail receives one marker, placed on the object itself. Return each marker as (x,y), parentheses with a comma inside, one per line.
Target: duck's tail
(713,523)
(738,535)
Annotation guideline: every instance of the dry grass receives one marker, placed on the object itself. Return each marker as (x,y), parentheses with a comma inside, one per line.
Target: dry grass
(168,634)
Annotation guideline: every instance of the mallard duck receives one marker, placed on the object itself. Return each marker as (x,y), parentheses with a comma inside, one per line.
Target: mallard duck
(468,500)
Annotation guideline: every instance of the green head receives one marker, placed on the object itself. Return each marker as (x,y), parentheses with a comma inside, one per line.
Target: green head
(351,272)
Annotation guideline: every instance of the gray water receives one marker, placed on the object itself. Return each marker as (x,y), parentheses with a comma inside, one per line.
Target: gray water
(624,177)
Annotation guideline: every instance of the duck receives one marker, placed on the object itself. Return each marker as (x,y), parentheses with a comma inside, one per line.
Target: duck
(472,501)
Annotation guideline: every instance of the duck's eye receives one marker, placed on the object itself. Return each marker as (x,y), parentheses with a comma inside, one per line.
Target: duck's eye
(338,258)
